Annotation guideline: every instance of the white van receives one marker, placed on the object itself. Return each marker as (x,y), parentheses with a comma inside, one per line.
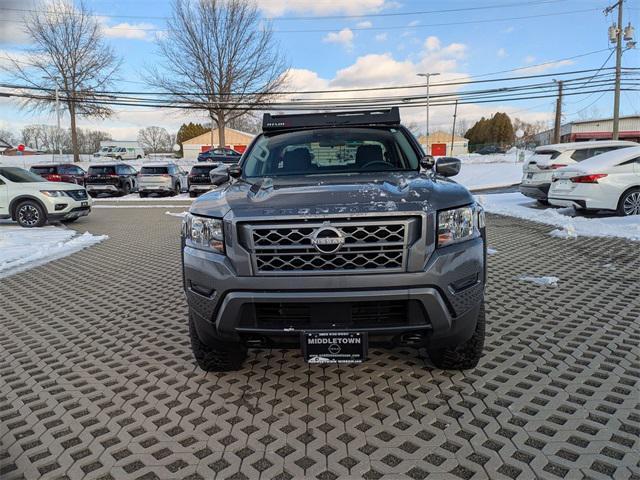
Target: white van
(126,153)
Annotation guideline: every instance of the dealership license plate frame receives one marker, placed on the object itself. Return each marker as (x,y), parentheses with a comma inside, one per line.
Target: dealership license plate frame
(347,353)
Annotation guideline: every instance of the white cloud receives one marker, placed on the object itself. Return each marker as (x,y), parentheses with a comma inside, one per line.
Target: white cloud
(381,37)
(343,37)
(508,29)
(131,31)
(543,67)
(432,43)
(365,24)
(501,53)
(529,59)
(413,23)
(276,8)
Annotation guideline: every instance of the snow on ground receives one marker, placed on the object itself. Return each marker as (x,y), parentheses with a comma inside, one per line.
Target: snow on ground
(570,224)
(24,248)
(477,176)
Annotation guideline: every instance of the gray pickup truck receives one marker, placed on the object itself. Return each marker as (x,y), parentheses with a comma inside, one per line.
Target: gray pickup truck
(335,232)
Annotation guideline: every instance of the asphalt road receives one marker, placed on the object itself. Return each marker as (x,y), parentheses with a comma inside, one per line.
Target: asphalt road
(97,378)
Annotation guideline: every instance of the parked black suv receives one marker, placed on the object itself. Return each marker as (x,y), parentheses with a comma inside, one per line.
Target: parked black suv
(112,178)
(200,179)
(336,231)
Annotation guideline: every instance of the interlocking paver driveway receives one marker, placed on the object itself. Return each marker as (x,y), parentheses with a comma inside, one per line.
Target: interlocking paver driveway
(97,379)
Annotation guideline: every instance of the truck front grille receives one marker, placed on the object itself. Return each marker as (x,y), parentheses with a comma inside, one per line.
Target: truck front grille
(330,246)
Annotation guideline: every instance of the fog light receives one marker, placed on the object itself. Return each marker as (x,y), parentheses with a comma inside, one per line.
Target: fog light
(60,206)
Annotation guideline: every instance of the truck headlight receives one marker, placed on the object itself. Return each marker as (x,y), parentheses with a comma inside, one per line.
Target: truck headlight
(459,224)
(203,232)
(53,193)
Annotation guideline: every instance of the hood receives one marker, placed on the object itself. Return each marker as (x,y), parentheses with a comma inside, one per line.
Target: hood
(333,194)
(46,185)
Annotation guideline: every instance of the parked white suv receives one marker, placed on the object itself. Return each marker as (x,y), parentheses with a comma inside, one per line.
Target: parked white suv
(31,200)
(610,181)
(167,178)
(538,170)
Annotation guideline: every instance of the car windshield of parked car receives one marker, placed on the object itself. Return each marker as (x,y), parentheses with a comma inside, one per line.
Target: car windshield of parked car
(102,170)
(153,170)
(328,151)
(43,170)
(20,175)
(202,169)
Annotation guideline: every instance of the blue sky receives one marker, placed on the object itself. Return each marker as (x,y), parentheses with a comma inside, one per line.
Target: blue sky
(379,50)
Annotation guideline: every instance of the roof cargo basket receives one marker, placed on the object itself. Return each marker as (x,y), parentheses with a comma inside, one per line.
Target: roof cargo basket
(360,117)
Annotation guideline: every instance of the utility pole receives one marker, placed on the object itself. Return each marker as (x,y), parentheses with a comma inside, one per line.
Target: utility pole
(616,93)
(58,119)
(556,128)
(453,130)
(427,76)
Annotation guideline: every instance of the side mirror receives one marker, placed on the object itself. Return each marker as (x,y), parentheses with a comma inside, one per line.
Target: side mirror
(235,171)
(448,166)
(427,162)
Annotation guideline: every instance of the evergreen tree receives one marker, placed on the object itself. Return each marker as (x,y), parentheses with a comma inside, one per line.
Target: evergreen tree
(188,131)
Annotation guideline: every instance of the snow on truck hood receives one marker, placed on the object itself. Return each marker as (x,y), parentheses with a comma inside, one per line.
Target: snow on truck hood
(301,196)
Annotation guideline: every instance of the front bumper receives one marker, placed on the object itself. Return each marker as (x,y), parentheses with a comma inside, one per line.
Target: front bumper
(537,191)
(101,188)
(73,213)
(200,187)
(224,305)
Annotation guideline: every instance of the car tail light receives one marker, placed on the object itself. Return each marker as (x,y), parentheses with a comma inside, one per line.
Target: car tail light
(588,178)
(54,177)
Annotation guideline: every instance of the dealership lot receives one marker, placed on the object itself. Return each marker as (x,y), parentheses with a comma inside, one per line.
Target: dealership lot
(98,380)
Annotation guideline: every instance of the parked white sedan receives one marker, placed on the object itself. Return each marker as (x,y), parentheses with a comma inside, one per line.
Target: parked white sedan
(610,181)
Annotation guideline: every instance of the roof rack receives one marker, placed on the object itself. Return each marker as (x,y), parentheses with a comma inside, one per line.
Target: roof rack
(389,116)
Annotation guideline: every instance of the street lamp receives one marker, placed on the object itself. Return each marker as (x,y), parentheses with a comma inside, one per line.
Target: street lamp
(427,76)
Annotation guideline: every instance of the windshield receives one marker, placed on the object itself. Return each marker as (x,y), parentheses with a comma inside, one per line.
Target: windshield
(19,175)
(327,151)
(202,170)
(105,170)
(153,170)
(106,149)
(45,170)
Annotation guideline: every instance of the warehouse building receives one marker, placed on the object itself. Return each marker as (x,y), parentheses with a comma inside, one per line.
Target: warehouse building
(598,129)
(439,144)
(235,139)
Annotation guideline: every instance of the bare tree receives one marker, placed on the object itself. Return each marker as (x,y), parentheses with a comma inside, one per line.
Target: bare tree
(70,55)
(8,136)
(219,56)
(154,139)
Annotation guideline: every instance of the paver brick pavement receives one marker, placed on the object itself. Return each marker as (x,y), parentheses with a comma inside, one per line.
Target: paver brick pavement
(97,378)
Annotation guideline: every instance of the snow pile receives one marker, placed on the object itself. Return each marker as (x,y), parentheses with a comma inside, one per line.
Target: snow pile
(174,214)
(24,248)
(570,226)
(545,281)
(510,157)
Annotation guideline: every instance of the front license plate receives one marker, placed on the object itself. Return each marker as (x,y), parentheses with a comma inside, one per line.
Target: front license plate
(84,204)
(334,347)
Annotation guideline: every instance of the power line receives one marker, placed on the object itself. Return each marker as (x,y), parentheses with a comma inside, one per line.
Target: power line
(322,17)
(372,28)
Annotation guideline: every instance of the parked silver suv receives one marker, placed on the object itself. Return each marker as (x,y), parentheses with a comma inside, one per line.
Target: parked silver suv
(166,178)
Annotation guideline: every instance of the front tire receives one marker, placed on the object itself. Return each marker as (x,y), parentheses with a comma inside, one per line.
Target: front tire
(193,194)
(176,190)
(543,203)
(126,189)
(464,356)
(629,203)
(30,214)
(219,356)
(143,194)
